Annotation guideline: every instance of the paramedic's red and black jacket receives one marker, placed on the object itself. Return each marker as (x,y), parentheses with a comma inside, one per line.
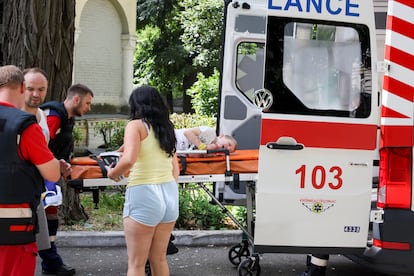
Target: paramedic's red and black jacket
(21,183)
(61,127)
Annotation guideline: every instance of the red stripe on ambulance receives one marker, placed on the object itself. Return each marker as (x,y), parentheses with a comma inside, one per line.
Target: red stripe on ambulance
(400,26)
(409,3)
(395,185)
(398,88)
(400,57)
(396,114)
(397,136)
(386,112)
(328,135)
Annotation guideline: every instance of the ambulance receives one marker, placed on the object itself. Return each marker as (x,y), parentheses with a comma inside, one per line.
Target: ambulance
(325,89)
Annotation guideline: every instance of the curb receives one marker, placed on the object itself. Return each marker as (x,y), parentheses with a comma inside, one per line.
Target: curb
(116,238)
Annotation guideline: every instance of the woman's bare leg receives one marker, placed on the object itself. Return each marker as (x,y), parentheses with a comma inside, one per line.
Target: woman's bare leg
(138,239)
(158,250)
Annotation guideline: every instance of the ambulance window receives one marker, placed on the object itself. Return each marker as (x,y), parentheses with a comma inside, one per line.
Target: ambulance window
(318,68)
(250,23)
(249,71)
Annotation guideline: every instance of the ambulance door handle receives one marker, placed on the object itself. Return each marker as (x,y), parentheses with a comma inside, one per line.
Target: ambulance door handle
(285,143)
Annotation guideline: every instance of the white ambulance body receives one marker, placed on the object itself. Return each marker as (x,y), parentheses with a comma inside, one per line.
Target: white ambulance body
(302,82)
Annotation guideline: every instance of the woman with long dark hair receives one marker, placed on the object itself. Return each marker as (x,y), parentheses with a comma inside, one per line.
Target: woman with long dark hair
(151,198)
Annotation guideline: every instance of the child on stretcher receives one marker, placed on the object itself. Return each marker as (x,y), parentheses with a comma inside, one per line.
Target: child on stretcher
(203,138)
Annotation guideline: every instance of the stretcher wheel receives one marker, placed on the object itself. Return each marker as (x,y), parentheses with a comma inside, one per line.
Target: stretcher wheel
(249,267)
(238,251)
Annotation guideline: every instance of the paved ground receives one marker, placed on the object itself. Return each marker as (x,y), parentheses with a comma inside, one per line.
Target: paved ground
(199,261)
(104,254)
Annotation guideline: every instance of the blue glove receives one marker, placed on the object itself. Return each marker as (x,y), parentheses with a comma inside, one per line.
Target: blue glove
(51,186)
(53,194)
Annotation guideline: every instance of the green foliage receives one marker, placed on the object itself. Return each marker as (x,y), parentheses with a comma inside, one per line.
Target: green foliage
(197,212)
(144,60)
(160,59)
(112,133)
(113,201)
(240,213)
(176,41)
(155,12)
(184,120)
(245,49)
(77,134)
(204,94)
(107,217)
(202,24)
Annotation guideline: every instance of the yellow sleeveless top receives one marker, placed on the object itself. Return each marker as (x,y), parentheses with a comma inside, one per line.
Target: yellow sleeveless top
(153,165)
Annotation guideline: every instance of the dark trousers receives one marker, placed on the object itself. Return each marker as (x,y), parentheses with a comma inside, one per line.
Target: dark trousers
(51,260)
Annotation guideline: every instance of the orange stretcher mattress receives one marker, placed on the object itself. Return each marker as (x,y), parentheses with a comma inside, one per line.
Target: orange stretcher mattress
(241,161)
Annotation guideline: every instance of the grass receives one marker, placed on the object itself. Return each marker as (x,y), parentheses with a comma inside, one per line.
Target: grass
(108,215)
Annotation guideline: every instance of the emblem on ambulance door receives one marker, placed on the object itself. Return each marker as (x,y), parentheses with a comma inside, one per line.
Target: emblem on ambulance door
(263,98)
(317,206)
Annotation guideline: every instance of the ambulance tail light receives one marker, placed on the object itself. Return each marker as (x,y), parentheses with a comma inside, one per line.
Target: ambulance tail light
(392,245)
(394,190)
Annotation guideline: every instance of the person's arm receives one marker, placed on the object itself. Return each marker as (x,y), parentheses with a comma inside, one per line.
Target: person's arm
(192,134)
(53,122)
(34,149)
(132,142)
(121,148)
(50,170)
(65,167)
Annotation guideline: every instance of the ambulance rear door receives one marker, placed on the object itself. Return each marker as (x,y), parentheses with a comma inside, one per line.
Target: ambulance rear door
(318,134)
(242,71)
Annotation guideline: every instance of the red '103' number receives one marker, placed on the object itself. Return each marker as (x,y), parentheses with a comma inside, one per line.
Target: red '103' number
(318,177)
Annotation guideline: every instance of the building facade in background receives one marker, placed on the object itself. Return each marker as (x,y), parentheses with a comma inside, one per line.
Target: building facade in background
(104,48)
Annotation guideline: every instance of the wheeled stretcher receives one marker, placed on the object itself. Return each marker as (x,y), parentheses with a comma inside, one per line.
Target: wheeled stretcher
(229,170)
(90,171)
(235,169)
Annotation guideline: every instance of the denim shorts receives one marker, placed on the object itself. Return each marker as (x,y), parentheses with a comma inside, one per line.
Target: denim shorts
(151,204)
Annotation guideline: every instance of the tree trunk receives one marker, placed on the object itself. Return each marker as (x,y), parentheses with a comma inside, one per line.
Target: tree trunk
(188,80)
(40,33)
(71,209)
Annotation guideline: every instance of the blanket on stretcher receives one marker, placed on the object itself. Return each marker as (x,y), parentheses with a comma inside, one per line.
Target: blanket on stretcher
(241,161)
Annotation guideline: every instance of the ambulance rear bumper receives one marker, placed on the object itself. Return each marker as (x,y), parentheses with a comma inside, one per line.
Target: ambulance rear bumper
(398,227)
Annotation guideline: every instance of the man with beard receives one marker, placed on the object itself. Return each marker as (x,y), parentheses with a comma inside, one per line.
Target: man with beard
(61,120)
(36,85)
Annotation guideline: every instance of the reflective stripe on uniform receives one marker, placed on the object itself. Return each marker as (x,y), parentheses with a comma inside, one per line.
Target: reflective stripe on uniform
(15,212)
(21,228)
(319,262)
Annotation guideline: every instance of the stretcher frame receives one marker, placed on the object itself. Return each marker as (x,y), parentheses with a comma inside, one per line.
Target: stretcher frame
(95,185)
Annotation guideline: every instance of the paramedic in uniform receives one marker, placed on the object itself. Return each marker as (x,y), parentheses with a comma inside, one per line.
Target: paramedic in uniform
(28,162)
(36,85)
(61,120)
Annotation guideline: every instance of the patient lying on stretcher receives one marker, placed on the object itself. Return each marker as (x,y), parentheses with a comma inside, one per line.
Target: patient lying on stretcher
(203,138)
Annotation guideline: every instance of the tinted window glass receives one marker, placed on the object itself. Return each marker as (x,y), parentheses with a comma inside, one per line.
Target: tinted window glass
(249,71)
(316,68)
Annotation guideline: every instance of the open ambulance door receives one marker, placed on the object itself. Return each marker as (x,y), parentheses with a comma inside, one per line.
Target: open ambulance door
(242,72)
(318,135)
